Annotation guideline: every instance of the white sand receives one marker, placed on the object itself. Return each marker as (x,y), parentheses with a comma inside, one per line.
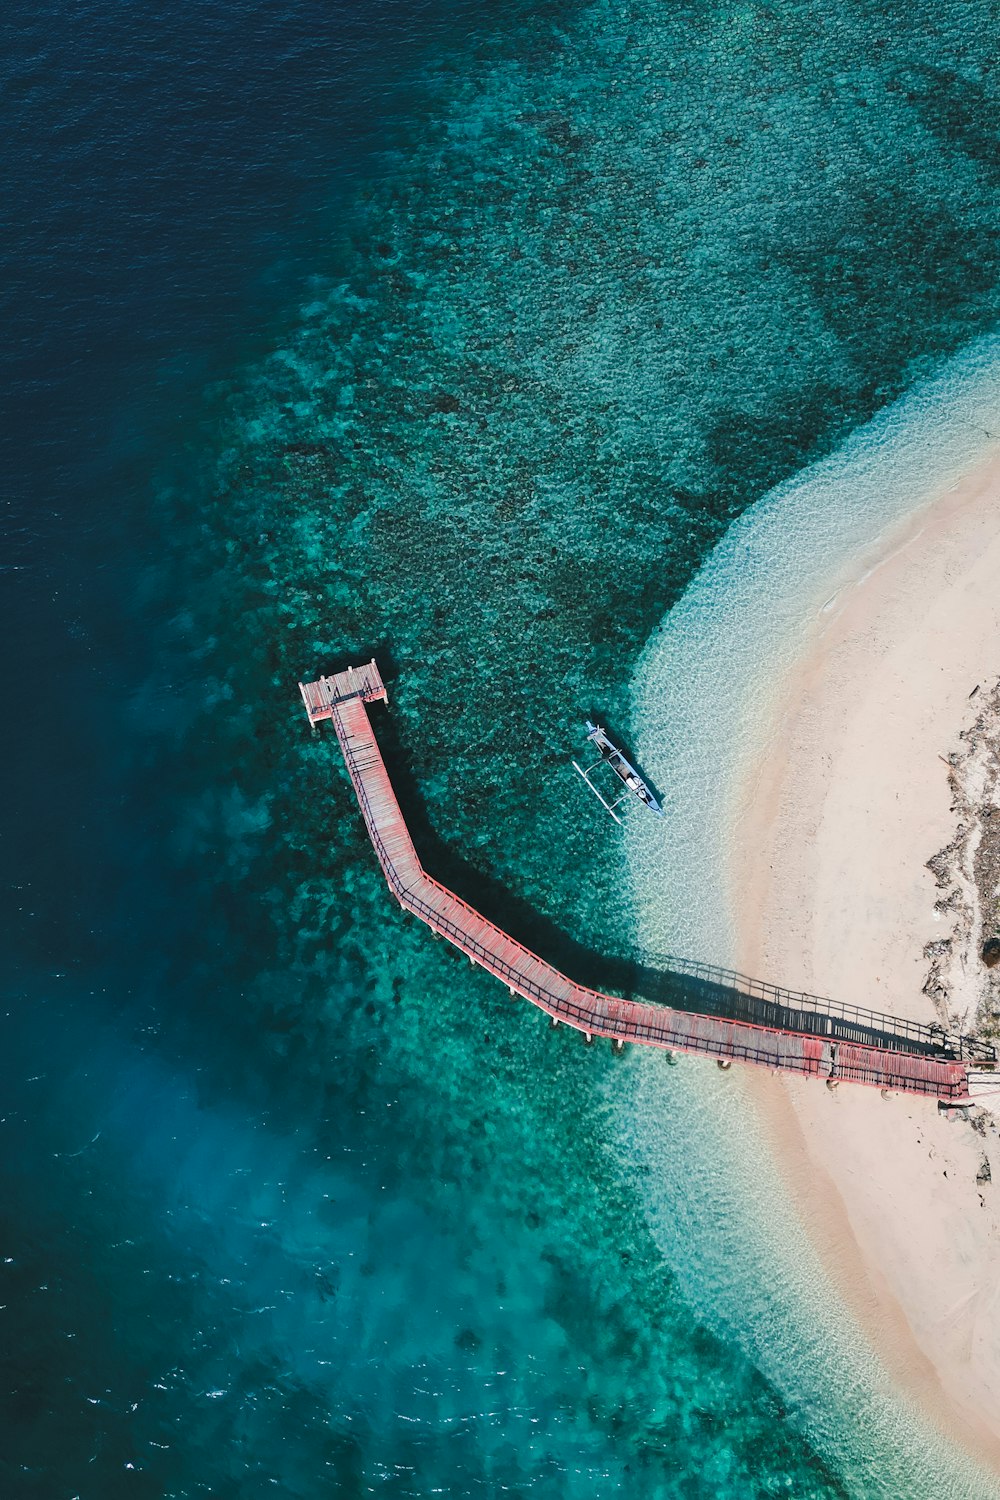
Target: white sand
(832,895)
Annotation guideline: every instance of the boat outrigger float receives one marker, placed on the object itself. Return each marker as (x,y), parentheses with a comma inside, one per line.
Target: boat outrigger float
(623,769)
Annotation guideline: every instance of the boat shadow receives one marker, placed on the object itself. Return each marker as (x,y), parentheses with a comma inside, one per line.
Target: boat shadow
(619,736)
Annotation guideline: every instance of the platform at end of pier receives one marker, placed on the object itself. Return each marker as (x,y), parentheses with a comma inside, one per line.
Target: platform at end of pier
(322,696)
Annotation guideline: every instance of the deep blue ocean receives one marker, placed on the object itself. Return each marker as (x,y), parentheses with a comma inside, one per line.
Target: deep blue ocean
(459,335)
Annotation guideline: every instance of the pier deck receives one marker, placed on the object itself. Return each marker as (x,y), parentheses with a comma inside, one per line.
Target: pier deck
(342,699)
(320,697)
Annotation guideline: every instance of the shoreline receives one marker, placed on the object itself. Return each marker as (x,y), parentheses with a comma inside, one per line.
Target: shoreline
(837,816)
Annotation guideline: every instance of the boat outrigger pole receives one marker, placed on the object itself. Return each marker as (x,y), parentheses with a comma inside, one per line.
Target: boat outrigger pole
(616,760)
(608,806)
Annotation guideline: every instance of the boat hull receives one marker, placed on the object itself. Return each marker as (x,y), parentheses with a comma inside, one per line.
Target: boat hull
(613,756)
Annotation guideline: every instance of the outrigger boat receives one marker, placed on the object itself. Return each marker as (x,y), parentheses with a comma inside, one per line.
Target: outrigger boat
(623,768)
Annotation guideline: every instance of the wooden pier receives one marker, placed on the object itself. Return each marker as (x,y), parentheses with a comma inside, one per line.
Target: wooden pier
(342,699)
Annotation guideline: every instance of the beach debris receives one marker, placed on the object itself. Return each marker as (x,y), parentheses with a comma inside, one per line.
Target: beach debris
(984,1174)
(991,952)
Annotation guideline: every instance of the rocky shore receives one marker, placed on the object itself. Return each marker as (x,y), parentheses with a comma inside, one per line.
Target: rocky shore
(963,977)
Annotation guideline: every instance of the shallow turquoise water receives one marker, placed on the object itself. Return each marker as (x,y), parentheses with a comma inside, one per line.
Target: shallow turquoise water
(302,1202)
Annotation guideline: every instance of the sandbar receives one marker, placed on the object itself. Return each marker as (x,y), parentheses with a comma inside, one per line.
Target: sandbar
(837,817)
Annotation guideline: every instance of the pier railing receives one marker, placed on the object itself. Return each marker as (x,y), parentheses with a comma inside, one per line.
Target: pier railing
(667,1002)
(818,1016)
(658,1026)
(688,985)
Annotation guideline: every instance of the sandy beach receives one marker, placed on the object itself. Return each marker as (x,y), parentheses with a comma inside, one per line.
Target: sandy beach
(838,819)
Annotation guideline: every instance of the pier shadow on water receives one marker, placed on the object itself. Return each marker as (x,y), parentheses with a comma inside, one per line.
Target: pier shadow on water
(658,980)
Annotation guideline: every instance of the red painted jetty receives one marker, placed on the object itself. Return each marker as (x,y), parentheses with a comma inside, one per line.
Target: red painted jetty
(342,699)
